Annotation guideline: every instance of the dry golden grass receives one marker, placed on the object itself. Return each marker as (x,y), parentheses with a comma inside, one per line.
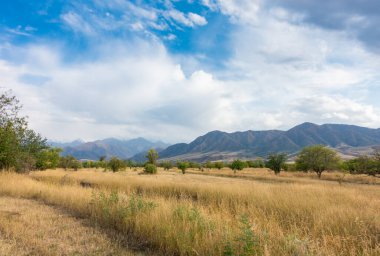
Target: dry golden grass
(31,228)
(266,175)
(200,215)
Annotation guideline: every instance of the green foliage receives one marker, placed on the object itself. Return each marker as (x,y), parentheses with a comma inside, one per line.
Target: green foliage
(276,162)
(194,165)
(317,158)
(183,166)
(167,165)
(19,145)
(48,159)
(219,165)
(246,243)
(257,163)
(115,164)
(70,162)
(152,156)
(150,169)
(238,165)
(365,165)
(114,210)
(209,165)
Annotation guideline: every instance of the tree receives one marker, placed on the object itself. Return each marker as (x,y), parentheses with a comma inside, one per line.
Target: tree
(19,145)
(48,158)
(365,165)
(69,162)
(115,164)
(152,156)
(237,165)
(276,162)
(219,165)
(183,166)
(167,165)
(317,158)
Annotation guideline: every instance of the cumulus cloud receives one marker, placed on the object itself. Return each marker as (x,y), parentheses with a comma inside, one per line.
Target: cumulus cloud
(282,70)
(189,20)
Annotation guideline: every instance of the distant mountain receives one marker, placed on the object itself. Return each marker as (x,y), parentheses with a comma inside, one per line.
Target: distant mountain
(109,147)
(219,145)
(65,144)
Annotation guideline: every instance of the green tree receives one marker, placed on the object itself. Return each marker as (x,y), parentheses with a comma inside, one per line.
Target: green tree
(183,166)
(68,162)
(317,158)
(167,165)
(115,164)
(48,158)
(219,165)
(276,162)
(238,165)
(19,145)
(152,156)
(365,165)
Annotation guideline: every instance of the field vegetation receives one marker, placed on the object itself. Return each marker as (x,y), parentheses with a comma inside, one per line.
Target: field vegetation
(196,214)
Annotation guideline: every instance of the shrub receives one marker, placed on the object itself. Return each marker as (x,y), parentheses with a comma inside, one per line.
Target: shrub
(237,165)
(183,166)
(116,164)
(150,169)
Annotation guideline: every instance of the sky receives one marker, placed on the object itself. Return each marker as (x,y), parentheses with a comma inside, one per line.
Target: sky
(173,70)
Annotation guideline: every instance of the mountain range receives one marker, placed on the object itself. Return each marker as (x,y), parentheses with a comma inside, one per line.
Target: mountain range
(348,140)
(123,149)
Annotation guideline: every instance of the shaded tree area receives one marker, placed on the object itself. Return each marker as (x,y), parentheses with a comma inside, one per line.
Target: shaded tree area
(21,148)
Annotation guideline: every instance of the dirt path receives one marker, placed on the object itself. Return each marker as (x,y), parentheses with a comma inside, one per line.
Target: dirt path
(28,227)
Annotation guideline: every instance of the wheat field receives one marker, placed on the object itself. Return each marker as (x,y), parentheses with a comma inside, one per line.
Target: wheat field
(200,213)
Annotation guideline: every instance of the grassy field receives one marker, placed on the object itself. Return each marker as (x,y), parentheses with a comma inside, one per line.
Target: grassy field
(199,213)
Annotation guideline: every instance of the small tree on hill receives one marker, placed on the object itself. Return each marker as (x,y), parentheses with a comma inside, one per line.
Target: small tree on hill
(317,158)
(276,162)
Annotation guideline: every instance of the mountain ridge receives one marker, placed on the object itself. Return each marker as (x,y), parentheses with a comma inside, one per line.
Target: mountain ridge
(248,144)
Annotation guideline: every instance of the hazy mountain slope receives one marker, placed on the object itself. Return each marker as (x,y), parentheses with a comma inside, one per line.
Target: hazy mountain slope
(111,147)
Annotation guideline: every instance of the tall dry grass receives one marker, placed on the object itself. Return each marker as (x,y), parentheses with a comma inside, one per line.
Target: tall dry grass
(176,214)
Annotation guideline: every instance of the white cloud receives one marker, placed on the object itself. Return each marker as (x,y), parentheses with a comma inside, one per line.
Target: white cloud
(77,23)
(240,11)
(337,109)
(189,20)
(197,19)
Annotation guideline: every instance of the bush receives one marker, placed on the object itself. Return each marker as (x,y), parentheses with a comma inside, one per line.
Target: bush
(183,166)
(238,165)
(116,164)
(150,169)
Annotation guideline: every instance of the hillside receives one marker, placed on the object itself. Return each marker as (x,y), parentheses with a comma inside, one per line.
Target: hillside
(349,140)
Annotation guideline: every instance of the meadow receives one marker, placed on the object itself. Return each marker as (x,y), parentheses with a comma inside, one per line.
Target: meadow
(214,212)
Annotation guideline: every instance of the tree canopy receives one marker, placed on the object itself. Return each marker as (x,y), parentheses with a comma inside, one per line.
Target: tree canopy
(317,158)
(20,146)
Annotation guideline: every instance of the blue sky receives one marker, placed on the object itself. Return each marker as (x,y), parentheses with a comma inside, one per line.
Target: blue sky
(173,70)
